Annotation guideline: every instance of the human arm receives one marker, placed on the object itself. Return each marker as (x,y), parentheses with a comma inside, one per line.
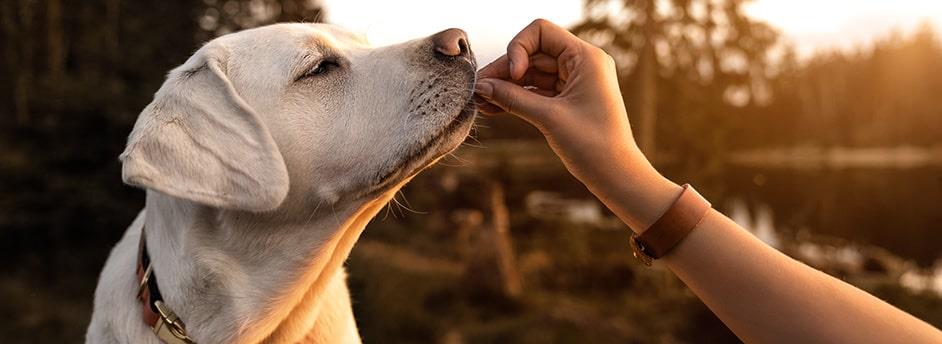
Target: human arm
(761,294)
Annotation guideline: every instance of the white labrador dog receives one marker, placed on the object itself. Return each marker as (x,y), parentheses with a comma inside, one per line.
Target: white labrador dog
(264,156)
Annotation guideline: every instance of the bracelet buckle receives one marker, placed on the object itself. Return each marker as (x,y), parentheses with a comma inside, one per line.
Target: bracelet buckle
(637,250)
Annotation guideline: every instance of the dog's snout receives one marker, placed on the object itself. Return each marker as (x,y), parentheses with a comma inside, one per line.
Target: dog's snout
(450,43)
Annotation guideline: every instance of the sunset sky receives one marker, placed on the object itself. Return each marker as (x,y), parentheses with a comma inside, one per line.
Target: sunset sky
(809,24)
(844,23)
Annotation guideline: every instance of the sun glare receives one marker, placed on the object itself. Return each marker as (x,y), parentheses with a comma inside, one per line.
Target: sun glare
(813,25)
(802,16)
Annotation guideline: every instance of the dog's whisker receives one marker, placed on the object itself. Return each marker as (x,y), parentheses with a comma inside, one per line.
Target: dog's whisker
(404,207)
(388,207)
(450,165)
(476,144)
(393,207)
(474,135)
(313,212)
(461,161)
(404,199)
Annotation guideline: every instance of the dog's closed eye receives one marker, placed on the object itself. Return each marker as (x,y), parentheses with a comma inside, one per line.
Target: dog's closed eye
(322,67)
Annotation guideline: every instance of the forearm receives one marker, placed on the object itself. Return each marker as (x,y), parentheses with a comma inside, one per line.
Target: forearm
(765,296)
(758,292)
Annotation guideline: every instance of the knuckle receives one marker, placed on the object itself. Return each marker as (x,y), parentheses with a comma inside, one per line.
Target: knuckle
(602,56)
(601,53)
(511,104)
(515,44)
(609,60)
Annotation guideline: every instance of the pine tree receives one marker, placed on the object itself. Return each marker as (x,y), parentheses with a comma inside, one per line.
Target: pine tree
(685,63)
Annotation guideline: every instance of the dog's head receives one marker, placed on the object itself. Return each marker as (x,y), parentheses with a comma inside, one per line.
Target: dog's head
(309,108)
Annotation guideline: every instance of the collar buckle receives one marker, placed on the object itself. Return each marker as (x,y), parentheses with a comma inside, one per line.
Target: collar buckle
(165,323)
(169,328)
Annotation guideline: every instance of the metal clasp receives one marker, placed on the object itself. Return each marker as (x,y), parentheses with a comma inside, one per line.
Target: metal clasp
(169,328)
(637,250)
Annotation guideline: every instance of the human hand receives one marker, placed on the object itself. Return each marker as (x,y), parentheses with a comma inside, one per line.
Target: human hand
(565,87)
(568,89)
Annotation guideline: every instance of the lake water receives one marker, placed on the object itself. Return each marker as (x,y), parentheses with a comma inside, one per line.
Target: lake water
(899,209)
(890,197)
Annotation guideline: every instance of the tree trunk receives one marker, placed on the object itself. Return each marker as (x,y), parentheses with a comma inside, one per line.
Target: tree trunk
(511,282)
(8,24)
(55,42)
(113,22)
(487,249)
(23,66)
(647,93)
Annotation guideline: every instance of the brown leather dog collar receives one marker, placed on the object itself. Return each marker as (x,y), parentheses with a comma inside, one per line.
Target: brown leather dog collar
(165,323)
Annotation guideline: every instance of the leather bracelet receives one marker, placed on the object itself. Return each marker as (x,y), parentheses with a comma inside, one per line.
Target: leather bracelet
(672,227)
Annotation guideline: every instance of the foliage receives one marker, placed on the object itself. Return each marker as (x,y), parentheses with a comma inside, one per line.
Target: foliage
(886,95)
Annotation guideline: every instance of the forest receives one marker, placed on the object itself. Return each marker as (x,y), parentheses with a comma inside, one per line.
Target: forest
(715,97)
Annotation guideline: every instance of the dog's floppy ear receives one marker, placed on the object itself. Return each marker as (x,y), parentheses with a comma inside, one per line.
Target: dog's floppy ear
(200,141)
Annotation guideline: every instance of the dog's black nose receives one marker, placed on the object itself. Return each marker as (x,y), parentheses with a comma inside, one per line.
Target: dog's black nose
(451,43)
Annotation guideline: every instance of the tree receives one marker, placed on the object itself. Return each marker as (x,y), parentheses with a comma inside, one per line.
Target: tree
(17,18)
(222,17)
(708,55)
(885,95)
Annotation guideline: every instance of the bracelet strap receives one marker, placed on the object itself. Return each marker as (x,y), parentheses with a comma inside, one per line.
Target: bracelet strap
(673,226)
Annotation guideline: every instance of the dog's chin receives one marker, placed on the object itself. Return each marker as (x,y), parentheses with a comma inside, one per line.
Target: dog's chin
(447,139)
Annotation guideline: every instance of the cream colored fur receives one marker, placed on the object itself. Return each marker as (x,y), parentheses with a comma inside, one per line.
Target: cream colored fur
(260,179)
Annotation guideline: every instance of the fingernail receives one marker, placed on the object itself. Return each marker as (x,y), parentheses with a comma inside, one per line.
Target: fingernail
(484,88)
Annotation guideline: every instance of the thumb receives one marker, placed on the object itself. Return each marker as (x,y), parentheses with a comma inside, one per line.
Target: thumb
(511,97)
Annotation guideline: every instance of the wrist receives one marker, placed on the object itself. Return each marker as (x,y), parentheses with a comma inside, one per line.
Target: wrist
(630,186)
(648,195)
(653,200)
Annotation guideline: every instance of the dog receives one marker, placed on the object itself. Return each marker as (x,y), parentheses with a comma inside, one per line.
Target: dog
(263,158)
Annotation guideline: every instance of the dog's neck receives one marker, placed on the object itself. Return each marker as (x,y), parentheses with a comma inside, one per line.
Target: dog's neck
(240,277)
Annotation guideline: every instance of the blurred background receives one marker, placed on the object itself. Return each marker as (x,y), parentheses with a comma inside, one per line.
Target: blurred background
(816,124)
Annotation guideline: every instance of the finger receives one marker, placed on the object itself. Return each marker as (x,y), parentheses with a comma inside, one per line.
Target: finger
(498,69)
(541,36)
(489,109)
(512,97)
(538,79)
(544,63)
(544,92)
(485,107)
